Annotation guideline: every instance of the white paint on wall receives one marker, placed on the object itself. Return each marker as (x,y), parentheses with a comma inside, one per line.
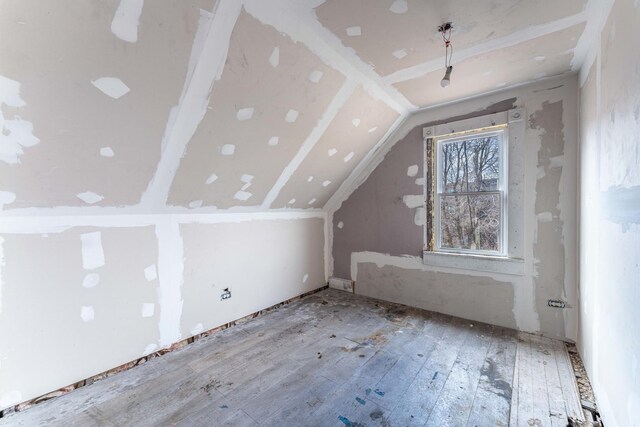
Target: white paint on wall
(349,156)
(106,152)
(399,7)
(354,31)
(87,313)
(91,280)
(412,170)
(15,133)
(92,252)
(273,141)
(89,197)
(6,198)
(274,59)
(413,200)
(126,20)
(291,117)
(148,309)
(242,195)
(315,76)
(228,149)
(151,273)
(212,178)
(111,86)
(244,113)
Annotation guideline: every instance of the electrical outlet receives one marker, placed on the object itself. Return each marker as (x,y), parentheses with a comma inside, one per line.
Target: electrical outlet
(226,294)
(556,303)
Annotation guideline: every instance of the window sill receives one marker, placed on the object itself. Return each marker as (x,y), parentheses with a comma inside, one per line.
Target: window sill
(486,263)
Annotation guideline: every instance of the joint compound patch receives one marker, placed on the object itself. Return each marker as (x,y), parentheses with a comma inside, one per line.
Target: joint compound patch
(87,313)
(10,398)
(212,178)
(92,253)
(312,201)
(197,329)
(326,183)
(244,113)
(349,156)
(147,309)
(420,217)
(126,20)
(332,152)
(412,170)
(195,204)
(315,76)
(292,201)
(354,31)
(292,116)
(15,133)
(373,129)
(228,149)
(91,280)
(6,198)
(274,59)
(399,7)
(340,225)
(111,86)
(151,273)
(242,195)
(400,53)
(246,178)
(149,349)
(273,141)
(89,197)
(413,200)
(106,152)
(305,278)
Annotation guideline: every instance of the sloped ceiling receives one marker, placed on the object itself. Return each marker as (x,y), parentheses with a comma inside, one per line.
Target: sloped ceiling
(251,105)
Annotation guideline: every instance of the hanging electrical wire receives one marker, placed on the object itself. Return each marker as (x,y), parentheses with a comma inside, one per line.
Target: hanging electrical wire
(445,30)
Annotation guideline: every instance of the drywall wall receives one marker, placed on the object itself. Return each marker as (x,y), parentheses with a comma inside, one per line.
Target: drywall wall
(609,338)
(378,237)
(79,296)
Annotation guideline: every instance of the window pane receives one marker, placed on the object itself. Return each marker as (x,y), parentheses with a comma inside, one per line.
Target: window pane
(470,222)
(471,165)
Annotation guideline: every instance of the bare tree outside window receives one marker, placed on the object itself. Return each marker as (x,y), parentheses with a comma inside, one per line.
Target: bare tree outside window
(470,193)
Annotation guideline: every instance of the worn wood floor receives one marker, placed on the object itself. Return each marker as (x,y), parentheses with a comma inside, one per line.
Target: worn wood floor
(335,359)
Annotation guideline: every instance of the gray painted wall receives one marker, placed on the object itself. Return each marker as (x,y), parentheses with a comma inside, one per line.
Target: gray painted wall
(609,339)
(377,243)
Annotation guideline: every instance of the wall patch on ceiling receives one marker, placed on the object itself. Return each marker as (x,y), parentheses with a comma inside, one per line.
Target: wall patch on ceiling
(212,178)
(326,183)
(332,152)
(111,86)
(106,152)
(349,156)
(228,149)
(373,129)
(292,116)
(274,59)
(292,201)
(127,19)
(312,201)
(399,7)
(310,178)
(244,114)
(400,53)
(15,133)
(195,204)
(89,197)
(87,313)
(242,195)
(315,76)
(354,31)
(355,122)
(273,141)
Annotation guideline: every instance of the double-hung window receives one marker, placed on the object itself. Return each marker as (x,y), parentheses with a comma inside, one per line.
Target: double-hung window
(471,192)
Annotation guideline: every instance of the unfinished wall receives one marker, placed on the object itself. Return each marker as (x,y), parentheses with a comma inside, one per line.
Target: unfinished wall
(609,338)
(378,239)
(77,300)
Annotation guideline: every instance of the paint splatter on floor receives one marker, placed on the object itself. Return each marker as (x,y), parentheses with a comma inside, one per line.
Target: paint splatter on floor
(379,392)
(360,401)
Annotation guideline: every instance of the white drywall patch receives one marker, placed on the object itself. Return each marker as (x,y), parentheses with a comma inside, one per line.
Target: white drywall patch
(315,76)
(15,133)
(106,152)
(197,329)
(274,59)
(111,86)
(312,201)
(373,129)
(227,149)
(212,178)
(147,309)
(92,253)
(539,58)
(326,183)
(399,7)
(340,225)
(242,195)
(89,197)
(420,217)
(354,31)
(292,116)
(126,20)
(87,313)
(91,280)
(244,113)
(400,53)
(149,349)
(355,122)
(151,273)
(195,204)
(305,278)
(545,217)
(310,178)
(6,198)
(246,178)
(10,398)
(413,200)
(332,152)
(292,201)
(349,157)
(420,181)
(273,141)
(412,170)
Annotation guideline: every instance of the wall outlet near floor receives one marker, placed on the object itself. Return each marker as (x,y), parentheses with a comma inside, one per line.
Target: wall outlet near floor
(556,303)
(226,294)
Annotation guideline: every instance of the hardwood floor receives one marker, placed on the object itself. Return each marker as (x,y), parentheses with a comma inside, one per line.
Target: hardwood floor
(335,359)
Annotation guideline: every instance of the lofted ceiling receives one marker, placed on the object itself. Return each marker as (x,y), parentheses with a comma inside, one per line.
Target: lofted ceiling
(242,105)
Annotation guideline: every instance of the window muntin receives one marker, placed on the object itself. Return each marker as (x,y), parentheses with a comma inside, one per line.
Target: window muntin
(470,211)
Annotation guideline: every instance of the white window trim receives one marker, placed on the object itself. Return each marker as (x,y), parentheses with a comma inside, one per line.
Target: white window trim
(511,258)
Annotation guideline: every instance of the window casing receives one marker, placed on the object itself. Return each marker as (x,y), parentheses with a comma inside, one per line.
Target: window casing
(470,201)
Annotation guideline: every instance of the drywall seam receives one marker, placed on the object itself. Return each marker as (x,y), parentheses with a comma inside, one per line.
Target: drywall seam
(297,20)
(587,48)
(2,264)
(332,110)
(53,224)
(328,248)
(349,184)
(170,275)
(193,107)
(510,40)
